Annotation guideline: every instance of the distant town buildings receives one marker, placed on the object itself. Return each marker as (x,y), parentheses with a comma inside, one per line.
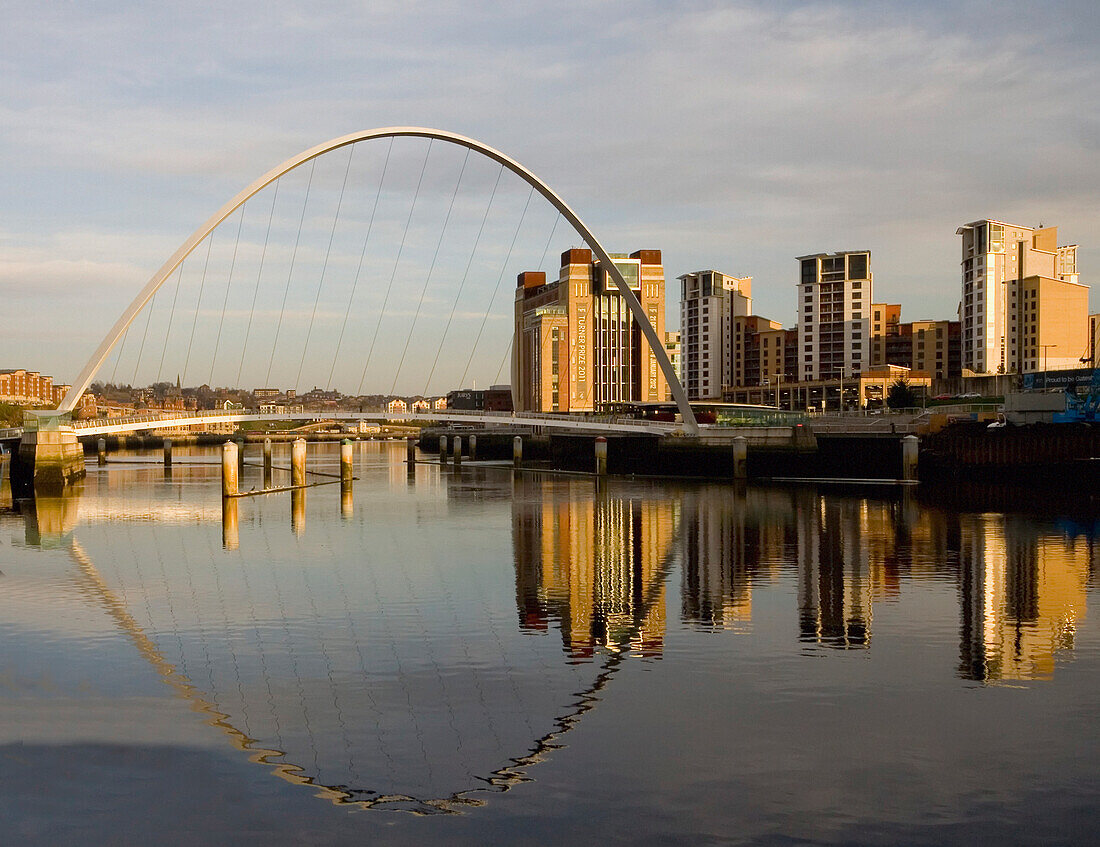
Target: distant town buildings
(577,346)
(29,388)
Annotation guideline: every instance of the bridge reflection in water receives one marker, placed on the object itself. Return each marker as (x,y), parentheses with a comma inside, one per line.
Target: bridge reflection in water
(372,652)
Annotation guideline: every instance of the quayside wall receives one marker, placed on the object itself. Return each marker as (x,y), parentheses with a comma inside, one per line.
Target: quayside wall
(1060,455)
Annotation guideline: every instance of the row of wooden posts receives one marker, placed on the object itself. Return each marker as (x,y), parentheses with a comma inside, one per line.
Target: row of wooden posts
(233,465)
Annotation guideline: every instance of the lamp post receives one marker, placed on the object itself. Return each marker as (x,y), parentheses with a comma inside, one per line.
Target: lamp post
(1045,348)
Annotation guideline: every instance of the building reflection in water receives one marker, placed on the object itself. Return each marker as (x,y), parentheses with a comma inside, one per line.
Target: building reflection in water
(724,548)
(847,553)
(1022,592)
(1021,581)
(593,562)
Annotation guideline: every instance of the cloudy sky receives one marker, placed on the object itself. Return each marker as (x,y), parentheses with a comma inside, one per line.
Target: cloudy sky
(731,135)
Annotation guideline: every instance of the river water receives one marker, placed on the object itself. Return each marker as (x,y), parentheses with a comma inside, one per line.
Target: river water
(479,657)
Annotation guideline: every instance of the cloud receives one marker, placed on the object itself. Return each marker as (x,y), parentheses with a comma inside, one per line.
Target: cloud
(729,135)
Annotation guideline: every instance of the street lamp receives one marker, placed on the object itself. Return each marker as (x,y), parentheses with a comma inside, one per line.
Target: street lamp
(1045,348)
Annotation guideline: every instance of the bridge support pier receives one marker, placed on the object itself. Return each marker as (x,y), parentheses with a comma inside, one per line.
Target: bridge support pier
(168,454)
(601,456)
(298,462)
(473,448)
(49,457)
(267,463)
(517,452)
(740,457)
(456,451)
(442,449)
(346,465)
(410,452)
(910,449)
(101,451)
(229,469)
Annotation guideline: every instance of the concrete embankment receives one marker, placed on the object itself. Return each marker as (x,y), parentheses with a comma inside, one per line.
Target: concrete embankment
(1062,455)
(772,452)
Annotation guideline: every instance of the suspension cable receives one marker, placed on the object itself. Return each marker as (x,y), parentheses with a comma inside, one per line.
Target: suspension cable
(496,290)
(118,359)
(171,320)
(431,269)
(290,273)
(462,284)
(359,269)
(198,302)
(396,262)
(546,249)
(324,266)
(144,335)
(507,352)
(225,301)
(542,259)
(259,273)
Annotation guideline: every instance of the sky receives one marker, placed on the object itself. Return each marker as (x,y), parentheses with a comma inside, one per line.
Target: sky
(734,136)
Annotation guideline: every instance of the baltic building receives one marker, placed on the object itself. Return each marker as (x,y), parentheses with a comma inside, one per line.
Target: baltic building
(577,346)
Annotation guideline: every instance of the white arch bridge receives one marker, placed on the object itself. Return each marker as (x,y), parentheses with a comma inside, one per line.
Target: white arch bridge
(51,441)
(145,296)
(166,420)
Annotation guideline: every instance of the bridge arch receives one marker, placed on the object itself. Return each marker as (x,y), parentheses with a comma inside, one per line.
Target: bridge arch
(84,379)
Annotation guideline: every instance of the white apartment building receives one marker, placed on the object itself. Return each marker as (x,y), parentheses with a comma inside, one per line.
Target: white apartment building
(709,302)
(834,311)
(997,258)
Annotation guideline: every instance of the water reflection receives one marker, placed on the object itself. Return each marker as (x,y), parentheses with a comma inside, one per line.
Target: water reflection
(1022,594)
(1021,581)
(371,650)
(593,562)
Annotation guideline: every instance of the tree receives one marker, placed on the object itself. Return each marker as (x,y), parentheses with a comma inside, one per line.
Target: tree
(900,395)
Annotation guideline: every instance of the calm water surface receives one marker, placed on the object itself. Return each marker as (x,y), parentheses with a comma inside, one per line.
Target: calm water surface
(477,657)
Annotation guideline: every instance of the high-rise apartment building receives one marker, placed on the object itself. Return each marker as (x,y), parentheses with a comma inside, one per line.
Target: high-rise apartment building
(1022,307)
(834,302)
(709,303)
(577,346)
